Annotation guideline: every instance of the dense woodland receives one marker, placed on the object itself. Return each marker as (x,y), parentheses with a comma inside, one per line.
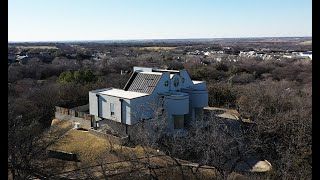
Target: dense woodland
(275,94)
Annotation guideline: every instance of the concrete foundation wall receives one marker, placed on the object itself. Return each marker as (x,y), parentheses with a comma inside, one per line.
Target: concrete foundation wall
(152,128)
(115,126)
(86,124)
(109,137)
(62,155)
(133,132)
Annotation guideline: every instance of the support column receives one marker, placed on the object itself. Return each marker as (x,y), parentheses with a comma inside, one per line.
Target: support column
(193,114)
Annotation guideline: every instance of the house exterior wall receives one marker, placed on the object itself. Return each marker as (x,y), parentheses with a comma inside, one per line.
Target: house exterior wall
(178,79)
(183,100)
(198,98)
(160,87)
(200,86)
(187,80)
(129,111)
(142,108)
(126,111)
(104,106)
(176,104)
(93,105)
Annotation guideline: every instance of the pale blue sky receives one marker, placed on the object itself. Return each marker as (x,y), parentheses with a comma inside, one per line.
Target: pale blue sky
(57,20)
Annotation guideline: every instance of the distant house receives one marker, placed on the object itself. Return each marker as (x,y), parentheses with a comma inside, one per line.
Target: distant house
(307,54)
(150,92)
(23,59)
(247,54)
(207,53)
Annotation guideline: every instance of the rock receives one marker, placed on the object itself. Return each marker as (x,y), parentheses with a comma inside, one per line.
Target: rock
(262,166)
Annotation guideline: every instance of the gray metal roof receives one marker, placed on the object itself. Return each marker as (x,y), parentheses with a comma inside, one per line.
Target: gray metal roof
(145,82)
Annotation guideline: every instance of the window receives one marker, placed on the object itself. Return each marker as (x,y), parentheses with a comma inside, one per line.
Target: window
(176,82)
(112,109)
(166,83)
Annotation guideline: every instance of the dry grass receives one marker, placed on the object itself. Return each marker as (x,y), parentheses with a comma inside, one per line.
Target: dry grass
(89,148)
(306,43)
(36,47)
(93,150)
(231,112)
(56,123)
(158,48)
(58,129)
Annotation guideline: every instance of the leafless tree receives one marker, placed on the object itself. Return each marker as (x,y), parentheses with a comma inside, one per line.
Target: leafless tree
(282,115)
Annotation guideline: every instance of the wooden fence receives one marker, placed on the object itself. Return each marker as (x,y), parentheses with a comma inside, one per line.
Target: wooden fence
(74,113)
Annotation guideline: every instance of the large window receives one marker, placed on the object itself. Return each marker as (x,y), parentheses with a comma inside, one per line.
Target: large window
(112,109)
(176,82)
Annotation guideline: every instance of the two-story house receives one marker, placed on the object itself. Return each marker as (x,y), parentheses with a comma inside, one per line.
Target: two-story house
(148,93)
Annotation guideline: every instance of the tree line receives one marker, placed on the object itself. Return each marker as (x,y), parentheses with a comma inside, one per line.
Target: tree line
(275,94)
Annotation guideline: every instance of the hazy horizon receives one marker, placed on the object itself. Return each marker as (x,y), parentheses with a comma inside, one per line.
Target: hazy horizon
(88,40)
(109,20)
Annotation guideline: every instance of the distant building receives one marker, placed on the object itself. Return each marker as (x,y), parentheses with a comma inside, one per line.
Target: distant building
(247,54)
(307,54)
(169,92)
(23,59)
(207,53)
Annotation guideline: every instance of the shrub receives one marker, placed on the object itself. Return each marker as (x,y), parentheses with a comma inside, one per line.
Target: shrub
(243,78)
(221,95)
(78,77)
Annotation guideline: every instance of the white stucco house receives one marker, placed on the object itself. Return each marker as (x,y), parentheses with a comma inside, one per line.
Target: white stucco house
(169,92)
